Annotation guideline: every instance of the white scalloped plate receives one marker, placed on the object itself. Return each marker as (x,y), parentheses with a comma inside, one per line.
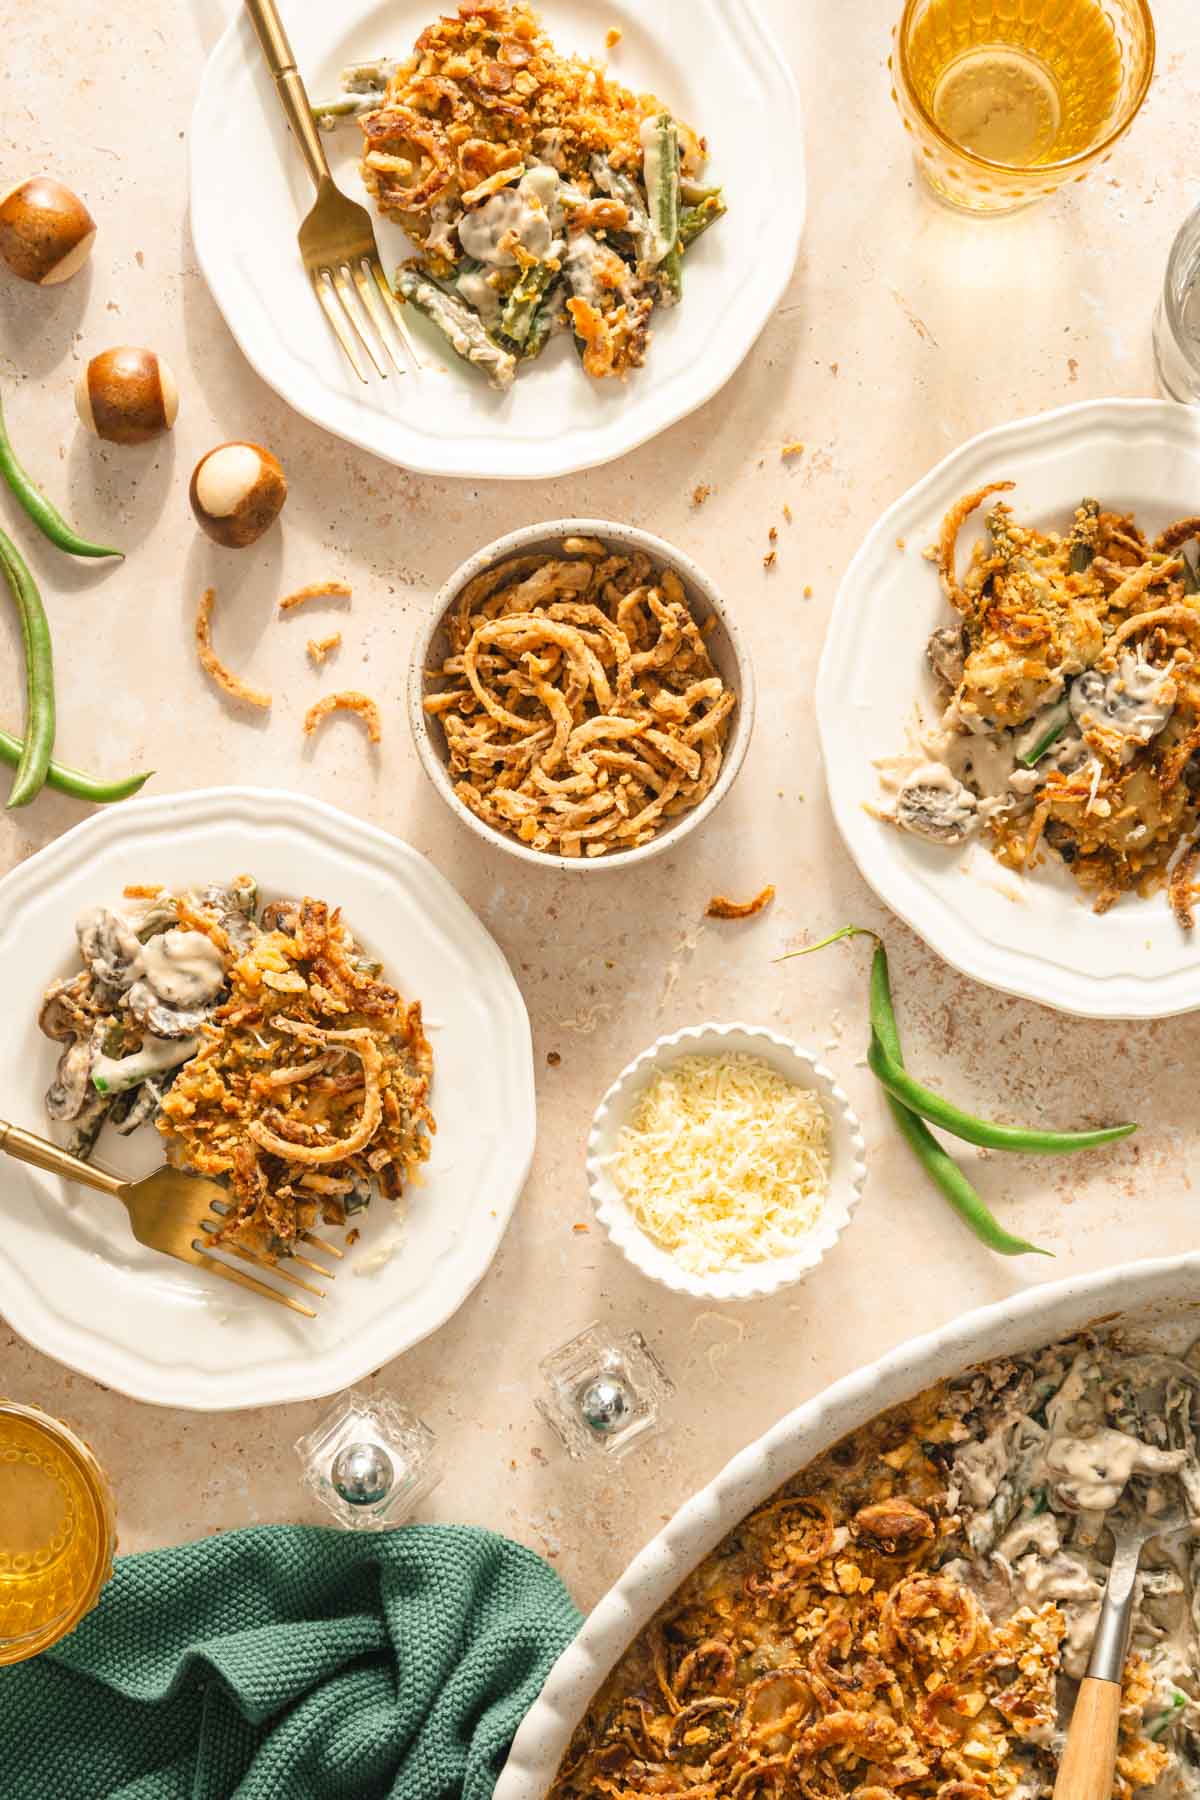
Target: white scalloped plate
(1032,936)
(1151,1292)
(72,1279)
(713,59)
(848,1165)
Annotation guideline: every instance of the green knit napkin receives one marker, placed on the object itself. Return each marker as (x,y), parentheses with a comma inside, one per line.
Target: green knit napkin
(288,1662)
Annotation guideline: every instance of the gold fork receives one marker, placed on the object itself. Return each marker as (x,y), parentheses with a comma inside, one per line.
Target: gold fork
(169,1211)
(337,239)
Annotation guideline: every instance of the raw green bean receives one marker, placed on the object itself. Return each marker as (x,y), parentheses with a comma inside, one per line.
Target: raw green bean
(74,781)
(46,517)
(34,763)
(694,221)
(896,1079)
(939,1165)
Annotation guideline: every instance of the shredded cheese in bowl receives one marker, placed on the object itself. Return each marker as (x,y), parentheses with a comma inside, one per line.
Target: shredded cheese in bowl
(724,1162)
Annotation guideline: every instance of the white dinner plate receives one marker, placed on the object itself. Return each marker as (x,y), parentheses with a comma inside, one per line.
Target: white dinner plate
(714,60)
(72,1279)
(1032,935)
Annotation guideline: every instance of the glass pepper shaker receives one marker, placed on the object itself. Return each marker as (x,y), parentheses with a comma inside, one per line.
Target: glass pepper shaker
(370,1461)
(605,1392)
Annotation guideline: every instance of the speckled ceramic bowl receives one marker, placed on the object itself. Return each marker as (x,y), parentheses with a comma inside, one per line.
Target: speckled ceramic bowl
(724,646)
(848,1169)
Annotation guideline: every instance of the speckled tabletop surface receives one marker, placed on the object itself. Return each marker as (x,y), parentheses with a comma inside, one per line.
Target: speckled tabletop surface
(905,330)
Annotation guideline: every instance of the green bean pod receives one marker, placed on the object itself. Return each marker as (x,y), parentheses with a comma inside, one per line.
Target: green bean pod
(46,517)
(941,1168)
(989,1136)
(34,763)
(73,781)
(938,1164)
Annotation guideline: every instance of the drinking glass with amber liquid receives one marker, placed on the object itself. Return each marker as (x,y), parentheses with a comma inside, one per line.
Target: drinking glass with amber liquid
(57,1531)
(1006,100)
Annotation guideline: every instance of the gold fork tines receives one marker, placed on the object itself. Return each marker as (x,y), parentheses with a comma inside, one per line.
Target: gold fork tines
(337,238)
(169,1212)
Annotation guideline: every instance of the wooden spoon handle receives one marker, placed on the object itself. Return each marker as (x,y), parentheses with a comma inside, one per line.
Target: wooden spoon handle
(1086,1769)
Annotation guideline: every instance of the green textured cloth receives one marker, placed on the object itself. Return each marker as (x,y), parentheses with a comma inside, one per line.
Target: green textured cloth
(288,1662)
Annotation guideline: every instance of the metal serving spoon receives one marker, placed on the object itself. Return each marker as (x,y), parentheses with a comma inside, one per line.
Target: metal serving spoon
(1085,1771)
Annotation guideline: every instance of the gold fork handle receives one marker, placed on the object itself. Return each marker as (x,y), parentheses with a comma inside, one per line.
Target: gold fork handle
(27,1148)
(293,96)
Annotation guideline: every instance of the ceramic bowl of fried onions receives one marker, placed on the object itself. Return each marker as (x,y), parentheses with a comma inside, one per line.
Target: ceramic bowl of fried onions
(580,696)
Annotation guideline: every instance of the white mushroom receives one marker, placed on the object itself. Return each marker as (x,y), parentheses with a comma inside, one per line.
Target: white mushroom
(127,396)
(46,232)
(237,492)
(934,804)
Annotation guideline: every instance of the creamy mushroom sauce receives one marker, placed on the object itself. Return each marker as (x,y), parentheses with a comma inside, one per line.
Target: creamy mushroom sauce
(133,1015)
(790,1667)
(1058,1443)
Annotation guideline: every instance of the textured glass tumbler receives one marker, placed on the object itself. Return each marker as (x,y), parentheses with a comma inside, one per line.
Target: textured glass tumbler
(57,1531)
(1177,321)
(1005,100)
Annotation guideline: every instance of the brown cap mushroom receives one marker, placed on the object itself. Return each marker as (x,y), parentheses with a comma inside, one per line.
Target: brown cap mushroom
(237,492)
(46,232)
(127,396)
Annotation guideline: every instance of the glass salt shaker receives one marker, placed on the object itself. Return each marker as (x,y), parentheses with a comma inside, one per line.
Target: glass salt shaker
(370,1461)
(1177,320)
(605,1392)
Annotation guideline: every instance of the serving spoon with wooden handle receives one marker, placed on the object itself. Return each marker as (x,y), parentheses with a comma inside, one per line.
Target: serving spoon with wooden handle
(1085,1771)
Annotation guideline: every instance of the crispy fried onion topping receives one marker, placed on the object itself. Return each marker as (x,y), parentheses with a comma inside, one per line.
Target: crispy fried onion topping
(346,701)
(316,590)
(721,908)
(361,1041)
(210,662)
(580,707)
(952,524)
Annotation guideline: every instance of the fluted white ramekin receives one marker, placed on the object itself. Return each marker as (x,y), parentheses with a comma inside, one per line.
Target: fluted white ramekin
(848,1166)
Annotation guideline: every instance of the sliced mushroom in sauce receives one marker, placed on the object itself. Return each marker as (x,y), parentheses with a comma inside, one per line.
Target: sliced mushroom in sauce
(934,804)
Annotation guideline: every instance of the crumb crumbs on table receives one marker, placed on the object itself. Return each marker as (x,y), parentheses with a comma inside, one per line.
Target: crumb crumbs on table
(700,493)
(769,560)
(793,447)
(612,37)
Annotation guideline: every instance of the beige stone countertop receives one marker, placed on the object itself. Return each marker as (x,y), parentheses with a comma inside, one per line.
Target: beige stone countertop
(905,330)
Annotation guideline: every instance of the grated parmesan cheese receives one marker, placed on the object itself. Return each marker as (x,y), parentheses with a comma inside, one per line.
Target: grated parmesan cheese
(724,1162)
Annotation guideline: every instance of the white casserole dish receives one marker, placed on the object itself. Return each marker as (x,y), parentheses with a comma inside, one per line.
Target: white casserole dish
(1145,1292)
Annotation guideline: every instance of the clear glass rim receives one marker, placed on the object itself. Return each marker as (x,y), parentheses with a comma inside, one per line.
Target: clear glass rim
(1065,163)
(1170,300)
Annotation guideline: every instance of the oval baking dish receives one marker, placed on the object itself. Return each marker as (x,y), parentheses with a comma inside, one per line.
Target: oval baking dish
(1147,1292)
